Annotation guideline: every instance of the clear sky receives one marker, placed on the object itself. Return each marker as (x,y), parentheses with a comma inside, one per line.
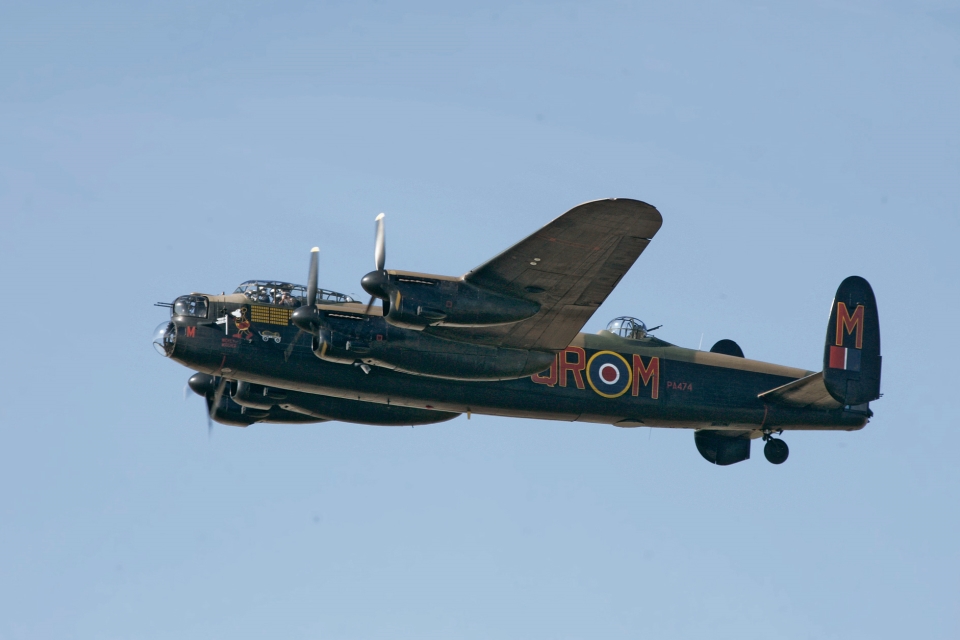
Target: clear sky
(153,149)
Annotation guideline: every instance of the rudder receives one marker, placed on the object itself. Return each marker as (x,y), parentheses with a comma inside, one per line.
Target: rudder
(851,357)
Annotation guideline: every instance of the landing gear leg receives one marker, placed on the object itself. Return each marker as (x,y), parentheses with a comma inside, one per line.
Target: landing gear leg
(776,450)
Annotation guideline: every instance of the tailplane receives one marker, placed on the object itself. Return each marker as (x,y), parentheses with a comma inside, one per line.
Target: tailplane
(851,356)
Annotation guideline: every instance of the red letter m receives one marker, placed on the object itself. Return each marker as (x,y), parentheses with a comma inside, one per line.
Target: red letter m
(647,374)
(847,323)
(191,332)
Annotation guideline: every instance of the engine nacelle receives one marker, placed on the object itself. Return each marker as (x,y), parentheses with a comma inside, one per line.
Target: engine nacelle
(258,403)
(416,301)
(256,396)
(335,346)
(358,412)
(422,354)
(230,412)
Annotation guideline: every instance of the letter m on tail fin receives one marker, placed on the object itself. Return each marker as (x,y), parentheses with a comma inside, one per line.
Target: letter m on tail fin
(851,358)
(848,323)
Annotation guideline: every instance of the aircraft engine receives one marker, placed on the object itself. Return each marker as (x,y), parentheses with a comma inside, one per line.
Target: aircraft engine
(230,413)
(355,411)
(260,400)
(223,408)
(255,396)
(422,354)
(416,301)
(398,341)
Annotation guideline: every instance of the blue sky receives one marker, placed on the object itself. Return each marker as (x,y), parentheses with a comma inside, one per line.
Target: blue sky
(148,150)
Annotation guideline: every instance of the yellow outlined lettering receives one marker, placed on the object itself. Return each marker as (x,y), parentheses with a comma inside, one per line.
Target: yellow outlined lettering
(847,323)
(573,367)
(647,374)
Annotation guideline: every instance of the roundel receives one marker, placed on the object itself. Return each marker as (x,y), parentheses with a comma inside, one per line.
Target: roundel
(609,374)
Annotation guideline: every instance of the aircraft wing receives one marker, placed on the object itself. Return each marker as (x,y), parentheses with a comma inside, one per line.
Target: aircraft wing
(569,267)
(808,392)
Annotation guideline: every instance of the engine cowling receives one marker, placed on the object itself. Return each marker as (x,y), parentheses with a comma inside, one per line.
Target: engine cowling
(348,337)
(262,400)
(357,412)
(416,301)
(422,354)
(255,396)
(231,412)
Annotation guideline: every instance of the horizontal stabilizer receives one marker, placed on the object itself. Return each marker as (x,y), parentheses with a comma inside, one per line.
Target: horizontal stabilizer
(806,393)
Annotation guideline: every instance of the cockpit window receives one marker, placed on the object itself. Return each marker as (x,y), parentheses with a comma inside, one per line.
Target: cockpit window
(285,294)
(193,306)
(627,327)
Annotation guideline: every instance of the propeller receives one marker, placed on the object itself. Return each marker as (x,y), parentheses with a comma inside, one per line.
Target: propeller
(293,343)
(203,384)
(380,249)
(217,396)
(369,304)
(373,282)
(312,277)
(305,317)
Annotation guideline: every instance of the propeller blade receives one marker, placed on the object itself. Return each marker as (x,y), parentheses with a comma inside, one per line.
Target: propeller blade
(312,277)
(369,304)
(217,396)
(380,249)
(286,354)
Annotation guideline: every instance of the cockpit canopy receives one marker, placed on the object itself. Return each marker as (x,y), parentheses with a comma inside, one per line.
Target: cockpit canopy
(627,327)
(194,306)
(285,293)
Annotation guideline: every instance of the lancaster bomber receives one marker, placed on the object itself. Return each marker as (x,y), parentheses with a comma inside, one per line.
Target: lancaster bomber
(505,339)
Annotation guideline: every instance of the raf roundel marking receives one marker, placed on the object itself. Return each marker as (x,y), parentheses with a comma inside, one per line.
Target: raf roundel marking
(609,374)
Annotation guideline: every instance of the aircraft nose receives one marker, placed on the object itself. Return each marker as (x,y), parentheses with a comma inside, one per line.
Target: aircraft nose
(165,338)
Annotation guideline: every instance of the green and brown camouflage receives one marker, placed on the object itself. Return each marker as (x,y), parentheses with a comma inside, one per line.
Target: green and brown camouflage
(505,340)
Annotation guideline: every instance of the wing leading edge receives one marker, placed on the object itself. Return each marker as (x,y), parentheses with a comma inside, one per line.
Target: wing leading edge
(568,267)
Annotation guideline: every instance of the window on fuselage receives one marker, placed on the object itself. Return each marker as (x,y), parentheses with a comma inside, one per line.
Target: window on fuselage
(192,306)
(285,294)
(627,327)
(278,293)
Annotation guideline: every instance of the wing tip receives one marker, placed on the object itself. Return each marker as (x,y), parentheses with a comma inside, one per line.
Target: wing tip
(644,210)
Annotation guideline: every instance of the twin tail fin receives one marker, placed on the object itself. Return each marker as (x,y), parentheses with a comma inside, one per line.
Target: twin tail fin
(851,355)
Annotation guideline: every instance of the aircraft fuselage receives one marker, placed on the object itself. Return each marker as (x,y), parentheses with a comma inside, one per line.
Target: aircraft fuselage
(599,378)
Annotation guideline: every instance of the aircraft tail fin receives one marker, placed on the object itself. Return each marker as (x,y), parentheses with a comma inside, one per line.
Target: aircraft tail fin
(851,356)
